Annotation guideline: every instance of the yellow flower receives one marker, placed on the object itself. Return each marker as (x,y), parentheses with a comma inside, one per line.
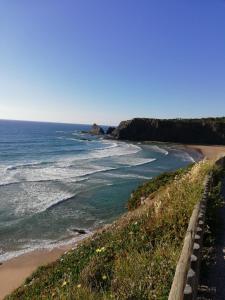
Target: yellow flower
(104,277)
(64,283)
(79,285)
(99,250)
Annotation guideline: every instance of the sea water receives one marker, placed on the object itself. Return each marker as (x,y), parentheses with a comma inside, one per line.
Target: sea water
(55,178)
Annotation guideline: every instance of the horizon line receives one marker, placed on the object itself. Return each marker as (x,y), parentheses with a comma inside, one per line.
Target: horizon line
(54,122)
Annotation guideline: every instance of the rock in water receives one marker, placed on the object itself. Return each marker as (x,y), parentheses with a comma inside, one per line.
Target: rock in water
(80,231)
(96,130)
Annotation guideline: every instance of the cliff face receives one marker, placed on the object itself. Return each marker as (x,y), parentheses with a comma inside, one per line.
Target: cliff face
(192,131)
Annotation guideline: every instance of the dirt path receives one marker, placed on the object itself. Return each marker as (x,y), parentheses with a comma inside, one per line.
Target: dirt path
(213,286)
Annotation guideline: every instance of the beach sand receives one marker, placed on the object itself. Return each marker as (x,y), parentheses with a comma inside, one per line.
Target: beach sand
(14,272)
(210,152)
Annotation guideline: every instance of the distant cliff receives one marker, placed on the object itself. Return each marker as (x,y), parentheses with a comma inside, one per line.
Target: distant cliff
(195,131)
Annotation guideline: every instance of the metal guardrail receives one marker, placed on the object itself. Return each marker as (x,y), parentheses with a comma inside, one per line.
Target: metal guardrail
(185,282)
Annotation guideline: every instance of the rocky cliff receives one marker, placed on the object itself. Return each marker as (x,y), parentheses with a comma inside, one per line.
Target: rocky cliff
(110,130)
(192,131)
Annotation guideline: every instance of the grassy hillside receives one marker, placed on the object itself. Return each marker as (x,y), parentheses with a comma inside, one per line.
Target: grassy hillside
(148,189)
(134,258)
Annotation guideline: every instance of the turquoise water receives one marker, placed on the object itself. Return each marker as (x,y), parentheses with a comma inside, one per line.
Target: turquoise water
(55,177)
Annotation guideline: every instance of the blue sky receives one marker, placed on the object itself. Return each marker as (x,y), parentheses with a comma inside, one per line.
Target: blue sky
(84,61)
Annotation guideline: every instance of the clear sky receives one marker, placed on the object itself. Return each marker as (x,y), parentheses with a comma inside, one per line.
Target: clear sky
(84,61)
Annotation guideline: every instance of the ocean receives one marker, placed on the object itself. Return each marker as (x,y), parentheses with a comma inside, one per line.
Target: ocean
(55,178)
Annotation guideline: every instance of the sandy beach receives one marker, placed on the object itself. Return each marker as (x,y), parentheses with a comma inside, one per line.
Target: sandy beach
(210,152)
(14,272)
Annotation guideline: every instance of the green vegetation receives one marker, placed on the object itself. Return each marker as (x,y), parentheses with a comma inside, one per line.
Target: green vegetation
(148,188)
(134,258)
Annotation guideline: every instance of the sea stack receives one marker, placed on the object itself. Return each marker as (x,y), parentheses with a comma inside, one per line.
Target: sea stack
(96,130)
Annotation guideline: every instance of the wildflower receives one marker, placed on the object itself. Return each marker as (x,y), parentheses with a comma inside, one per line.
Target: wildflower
(135,223)
(99,250)
(79,286)
(64,283)
(104,277)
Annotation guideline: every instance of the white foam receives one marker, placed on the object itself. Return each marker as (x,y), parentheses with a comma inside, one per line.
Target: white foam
(131,161)
(114,150)
(103,146)
(33,197)
(74,139)
(42,199)
(159,149)
(25,165)
(61,170)
(66,168)
(42,245)
(142,162)
(185,156)
(135,176)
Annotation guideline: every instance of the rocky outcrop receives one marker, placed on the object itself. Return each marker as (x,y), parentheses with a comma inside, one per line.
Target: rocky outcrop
(96,130)
(79,231)
(110,130)
(193,131)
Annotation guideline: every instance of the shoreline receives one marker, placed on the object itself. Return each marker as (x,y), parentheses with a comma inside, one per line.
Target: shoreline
(208,151)
(13,272)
